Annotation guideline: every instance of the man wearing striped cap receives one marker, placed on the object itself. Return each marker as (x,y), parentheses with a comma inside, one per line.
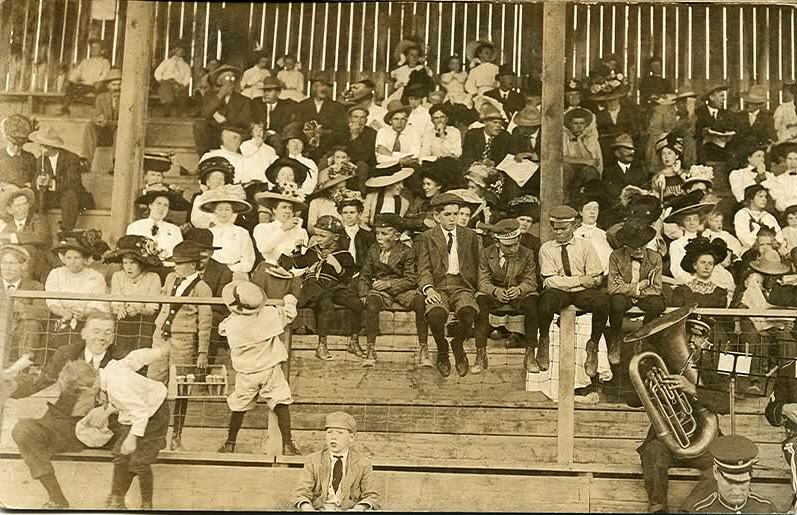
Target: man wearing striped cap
(734,457)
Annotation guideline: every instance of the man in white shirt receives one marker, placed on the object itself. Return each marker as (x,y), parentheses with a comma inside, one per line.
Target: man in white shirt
(440,139)
(246,170)
(174,77)
(397,141)
(84,78)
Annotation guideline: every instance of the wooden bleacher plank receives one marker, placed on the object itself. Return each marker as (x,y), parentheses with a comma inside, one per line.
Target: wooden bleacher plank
(219,487)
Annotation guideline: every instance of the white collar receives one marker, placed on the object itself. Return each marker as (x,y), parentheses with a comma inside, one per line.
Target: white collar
(351,230)
(20,222)
(190,278)
(8,151)
(90,357)
(344,455)
(6,284)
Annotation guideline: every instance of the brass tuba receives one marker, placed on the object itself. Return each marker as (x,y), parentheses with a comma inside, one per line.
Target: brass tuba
(685,428)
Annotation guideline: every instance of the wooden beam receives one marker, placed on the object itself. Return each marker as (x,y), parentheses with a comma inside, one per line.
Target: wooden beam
(129,154)
(565,427)
(553,77)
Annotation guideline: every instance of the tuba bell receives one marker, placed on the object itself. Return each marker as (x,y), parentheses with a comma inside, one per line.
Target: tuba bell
(684,427)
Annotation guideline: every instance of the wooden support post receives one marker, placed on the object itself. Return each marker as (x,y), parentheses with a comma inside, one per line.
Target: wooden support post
(129,154)
(565,433)
(552,110)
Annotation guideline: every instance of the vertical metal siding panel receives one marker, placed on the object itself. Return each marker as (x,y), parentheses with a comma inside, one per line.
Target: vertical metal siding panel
(699,56)
(732,30)
(716,43)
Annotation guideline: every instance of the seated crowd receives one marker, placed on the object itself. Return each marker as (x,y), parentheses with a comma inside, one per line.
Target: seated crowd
(427,203)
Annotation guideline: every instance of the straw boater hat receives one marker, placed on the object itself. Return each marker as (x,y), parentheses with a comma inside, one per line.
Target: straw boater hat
(578,112)
(214,77)
(113,74)
(286,192)
(299,170)
(701,246)
(243,297)
(769,263)
(48,137)
(635,233)
(529,116)
(490,112)
(140,248)
(388,173)
(176,200)
(157,161)
(216,164)
(232,194)
(394,107)
(17,128)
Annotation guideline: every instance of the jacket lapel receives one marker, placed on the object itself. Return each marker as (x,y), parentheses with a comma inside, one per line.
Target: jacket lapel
(440,240)
(325,474)
(352,471)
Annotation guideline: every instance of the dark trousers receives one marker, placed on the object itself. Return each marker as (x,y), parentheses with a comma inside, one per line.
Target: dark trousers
(553,300)
(526,306)
(39,439)
(67,201)
(657,460)
(323,304)
(653,306)
(374,304)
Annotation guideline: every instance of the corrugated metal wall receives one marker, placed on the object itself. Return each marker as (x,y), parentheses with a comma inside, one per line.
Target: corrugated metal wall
(737,43)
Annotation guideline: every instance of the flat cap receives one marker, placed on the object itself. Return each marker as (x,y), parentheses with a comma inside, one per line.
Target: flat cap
(734,454)
(562,214)
(341,420)
(506,229)
(393,220)
(444,199)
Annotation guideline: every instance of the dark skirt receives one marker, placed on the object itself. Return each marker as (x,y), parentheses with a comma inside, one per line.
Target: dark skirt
(58,335)
(133,333)
(149,445)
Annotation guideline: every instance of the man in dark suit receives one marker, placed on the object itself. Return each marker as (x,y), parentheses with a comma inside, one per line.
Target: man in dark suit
(619,115)
(754,125)
(226,105)
(507,284)
(623,169)
(711,111)
(448,276)
(59,183)
(326,113)
(27,323)
(54,433)
(511,100)
(488,142)
(102,131)
(217,276)
(361,145)
(28,230)
(273,112)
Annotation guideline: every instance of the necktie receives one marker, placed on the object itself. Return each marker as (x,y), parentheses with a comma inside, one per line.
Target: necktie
(450,242)
(337,473)
(397,143)
(502,263)
(759,178)
(566,260)
(488,147)
(177,283)
(155,229)
(11,288)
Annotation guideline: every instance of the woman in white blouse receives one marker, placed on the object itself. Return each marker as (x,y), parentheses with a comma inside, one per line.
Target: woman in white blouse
(753,216)
(76,276)
(481,77)
(136,320)
(237,251)
(281,236)
(155,226)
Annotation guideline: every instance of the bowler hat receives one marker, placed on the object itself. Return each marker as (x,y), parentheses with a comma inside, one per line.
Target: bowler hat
(755,95)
